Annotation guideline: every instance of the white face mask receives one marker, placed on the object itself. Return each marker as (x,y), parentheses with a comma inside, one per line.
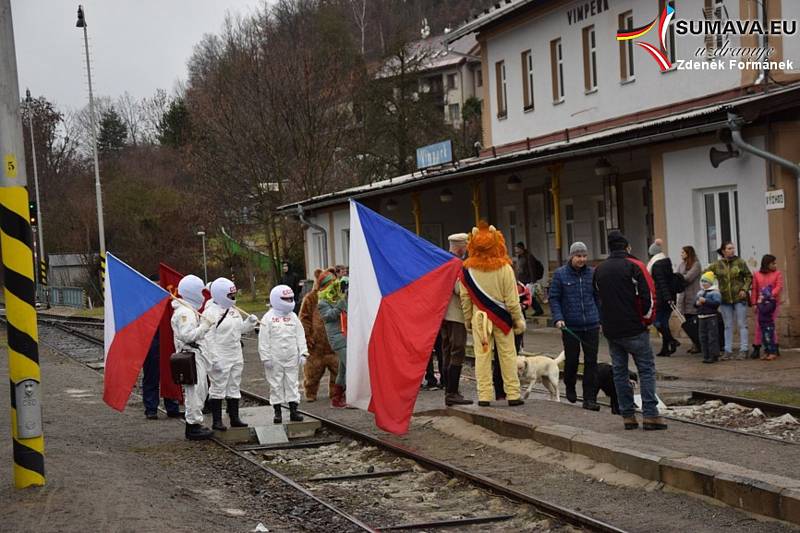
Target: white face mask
(281,298)
(223,291)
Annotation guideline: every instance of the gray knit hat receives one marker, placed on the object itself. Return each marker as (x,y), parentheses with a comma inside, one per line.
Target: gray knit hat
(578,248)
(655,248)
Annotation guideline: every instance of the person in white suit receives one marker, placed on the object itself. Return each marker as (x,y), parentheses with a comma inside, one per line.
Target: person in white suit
(189,330)
(282,347)
(225,347)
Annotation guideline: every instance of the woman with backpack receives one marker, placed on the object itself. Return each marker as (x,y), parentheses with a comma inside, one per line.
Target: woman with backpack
(735,281)
(660,268)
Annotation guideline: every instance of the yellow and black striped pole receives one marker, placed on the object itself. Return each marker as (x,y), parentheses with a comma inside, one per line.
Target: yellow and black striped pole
(16,243)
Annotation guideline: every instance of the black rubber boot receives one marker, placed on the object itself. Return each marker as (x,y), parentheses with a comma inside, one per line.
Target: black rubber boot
(216,414)
(453,397)
(294,416)
(278,418)
(232,405)
(198,432)
(756,353)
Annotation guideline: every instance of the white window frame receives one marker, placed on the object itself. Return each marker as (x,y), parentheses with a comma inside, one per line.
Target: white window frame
(718,7)
(569,224)
(529,75)
(453,77)
(560,69)
(714,241)
(454,118)
(630,68)
(592,58)
(504,81)
(672,43)
(319,243)
(346,246)
(600,227)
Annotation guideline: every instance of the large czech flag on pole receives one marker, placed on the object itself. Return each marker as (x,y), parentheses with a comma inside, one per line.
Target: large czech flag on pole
(400,285)
(133,309)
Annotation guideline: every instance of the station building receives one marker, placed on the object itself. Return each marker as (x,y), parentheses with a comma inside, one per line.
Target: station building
(584,133)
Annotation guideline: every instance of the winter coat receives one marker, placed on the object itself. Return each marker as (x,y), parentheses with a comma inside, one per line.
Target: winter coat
(332,316)
(688,297)
(733,276)
(761,280)
(281,339)
(526,268)
(712,303)
(660,267)
(572,298)
(316,336)
(623,286)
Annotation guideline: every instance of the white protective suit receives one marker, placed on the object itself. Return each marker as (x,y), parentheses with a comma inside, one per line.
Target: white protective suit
(225,340)
(189,331)
(282,346)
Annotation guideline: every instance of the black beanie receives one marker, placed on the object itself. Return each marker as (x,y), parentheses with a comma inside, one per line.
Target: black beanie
(617,241)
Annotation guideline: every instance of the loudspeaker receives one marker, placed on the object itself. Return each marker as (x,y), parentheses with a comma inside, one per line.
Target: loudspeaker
(717,157)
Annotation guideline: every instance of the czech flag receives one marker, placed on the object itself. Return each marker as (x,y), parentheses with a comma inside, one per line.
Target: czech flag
(133,309)
(400,285)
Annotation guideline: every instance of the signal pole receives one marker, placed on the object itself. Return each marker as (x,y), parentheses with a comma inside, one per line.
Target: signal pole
(16,242)
(39,231)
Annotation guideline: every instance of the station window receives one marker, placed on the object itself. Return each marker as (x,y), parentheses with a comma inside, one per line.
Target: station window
(569,223)
(627,72)
(722,219)
(346,246)
(502,92)
(669,40)
(527,79)
(455,113)
(589,59)
(557,70)
(451,81)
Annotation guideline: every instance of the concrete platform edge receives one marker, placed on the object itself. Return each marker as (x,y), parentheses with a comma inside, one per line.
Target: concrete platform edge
(757,492)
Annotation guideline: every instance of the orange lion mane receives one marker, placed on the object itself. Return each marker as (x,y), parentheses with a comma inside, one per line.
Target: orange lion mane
(486,249)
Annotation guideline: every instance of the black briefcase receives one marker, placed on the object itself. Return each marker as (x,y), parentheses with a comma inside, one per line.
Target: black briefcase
(184,369)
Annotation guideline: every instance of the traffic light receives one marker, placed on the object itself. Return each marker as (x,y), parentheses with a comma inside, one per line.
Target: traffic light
(32,210)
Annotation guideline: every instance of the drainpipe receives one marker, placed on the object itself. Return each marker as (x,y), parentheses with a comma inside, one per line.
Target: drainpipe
(735,123)
(304,220)
(763,77)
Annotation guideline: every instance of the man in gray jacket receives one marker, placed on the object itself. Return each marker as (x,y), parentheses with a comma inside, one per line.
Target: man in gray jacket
(454,333)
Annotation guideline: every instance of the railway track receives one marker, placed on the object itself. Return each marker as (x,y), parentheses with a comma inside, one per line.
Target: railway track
(519,508)
(774,409)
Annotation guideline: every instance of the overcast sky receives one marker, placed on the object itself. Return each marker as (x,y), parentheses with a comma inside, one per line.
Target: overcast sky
(135,45)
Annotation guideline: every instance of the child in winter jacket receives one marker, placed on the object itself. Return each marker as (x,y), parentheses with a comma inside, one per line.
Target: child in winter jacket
(707,303)
(766,321)
(282,348)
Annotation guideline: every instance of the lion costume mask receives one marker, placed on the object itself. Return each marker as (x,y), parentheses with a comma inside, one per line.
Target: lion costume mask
(486,249)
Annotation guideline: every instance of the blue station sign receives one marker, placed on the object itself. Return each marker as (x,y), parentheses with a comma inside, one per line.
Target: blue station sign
(435,154)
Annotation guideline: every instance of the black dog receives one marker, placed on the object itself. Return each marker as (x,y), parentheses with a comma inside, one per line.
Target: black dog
(605,382)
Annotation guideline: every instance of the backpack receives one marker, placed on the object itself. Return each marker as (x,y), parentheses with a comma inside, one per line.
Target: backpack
(649,317)
(677,283)
(538,269)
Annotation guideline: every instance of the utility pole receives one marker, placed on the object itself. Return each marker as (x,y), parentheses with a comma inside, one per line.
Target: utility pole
(39,231)
(17,259)
(98,191)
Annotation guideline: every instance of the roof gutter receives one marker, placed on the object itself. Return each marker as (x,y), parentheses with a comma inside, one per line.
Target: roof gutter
(735,123)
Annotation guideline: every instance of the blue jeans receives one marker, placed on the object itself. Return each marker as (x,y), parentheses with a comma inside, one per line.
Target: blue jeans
(639,347)
(150,382)
(737,311)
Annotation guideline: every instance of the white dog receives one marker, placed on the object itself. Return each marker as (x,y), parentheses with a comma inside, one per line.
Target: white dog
(543,369)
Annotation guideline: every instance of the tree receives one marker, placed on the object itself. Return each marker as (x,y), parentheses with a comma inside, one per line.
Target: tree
(174,128)
(113,133)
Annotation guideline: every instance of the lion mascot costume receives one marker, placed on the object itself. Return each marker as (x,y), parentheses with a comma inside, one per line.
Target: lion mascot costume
(491,310)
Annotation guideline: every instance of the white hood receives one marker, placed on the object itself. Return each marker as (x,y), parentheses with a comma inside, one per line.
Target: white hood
(190,288)
(279,305)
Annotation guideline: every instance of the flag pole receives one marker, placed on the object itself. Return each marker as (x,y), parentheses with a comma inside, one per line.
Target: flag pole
(17,259)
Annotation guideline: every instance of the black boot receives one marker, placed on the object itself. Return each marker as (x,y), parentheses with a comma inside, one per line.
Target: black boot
(278,418)
(756,353)
(453,397)
(777,349)
(664,344)
(294,416)
(198,432)
(232,405)
(216,414)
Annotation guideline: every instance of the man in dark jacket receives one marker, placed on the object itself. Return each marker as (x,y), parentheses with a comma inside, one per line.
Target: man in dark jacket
(528,270)
(627,299)
(291,279)
(660,268)
(573,303)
